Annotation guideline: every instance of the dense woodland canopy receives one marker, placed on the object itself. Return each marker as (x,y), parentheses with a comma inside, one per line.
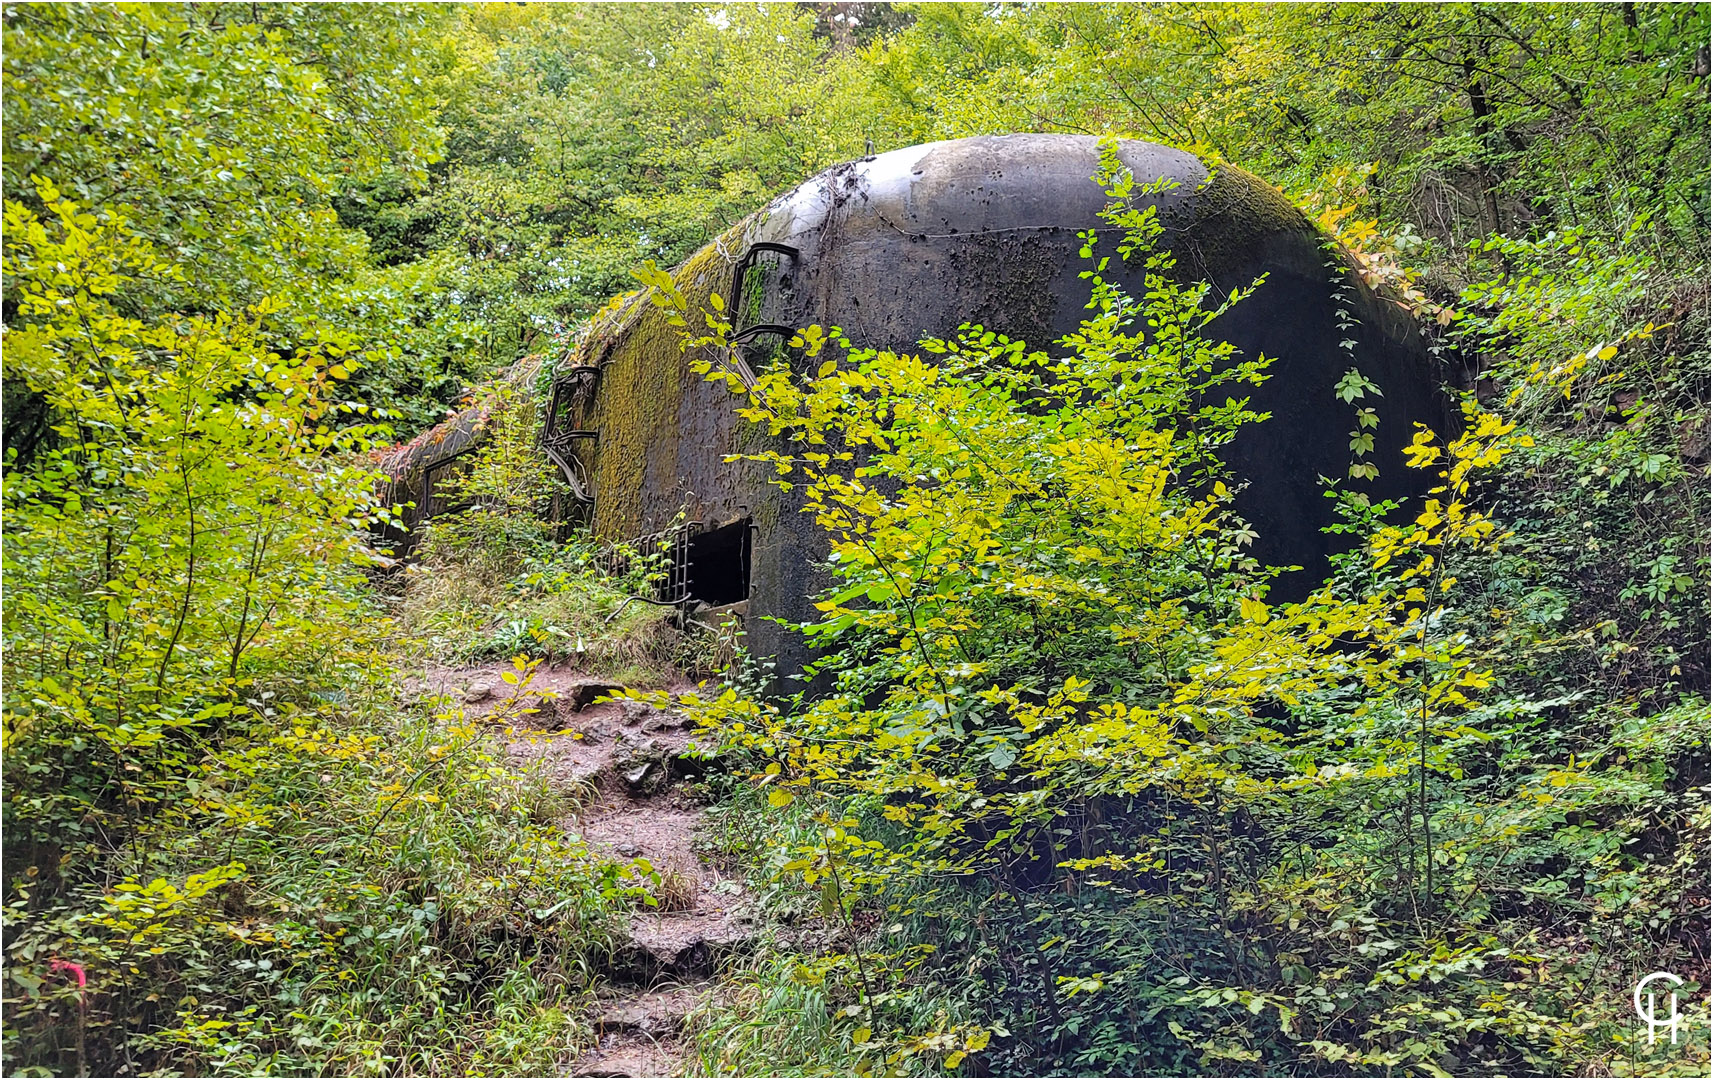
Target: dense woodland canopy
(1443,815)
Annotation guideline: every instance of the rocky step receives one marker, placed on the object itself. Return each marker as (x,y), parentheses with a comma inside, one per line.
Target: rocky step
(567,695)
(658,1013)
(628,1053)
(637,1034)
(681,945)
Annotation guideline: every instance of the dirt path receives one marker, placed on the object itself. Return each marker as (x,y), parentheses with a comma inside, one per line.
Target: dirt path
(622,765)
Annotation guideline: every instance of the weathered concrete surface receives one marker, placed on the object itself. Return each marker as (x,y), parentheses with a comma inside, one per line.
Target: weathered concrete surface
(911,243)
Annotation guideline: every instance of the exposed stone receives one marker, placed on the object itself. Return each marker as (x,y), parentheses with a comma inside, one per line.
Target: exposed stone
(478,692)
(658,1013)
(541,709)
(644,765)
(687,766)
(682,945)
(1692,442)
(628,1053)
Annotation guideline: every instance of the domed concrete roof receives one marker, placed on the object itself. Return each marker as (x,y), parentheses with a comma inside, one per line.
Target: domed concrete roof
(987,184)
(911,243)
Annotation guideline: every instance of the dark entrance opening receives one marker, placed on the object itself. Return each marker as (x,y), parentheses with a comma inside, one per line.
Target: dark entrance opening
(717,565)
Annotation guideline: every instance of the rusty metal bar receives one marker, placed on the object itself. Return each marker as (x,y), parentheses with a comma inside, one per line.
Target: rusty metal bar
(673,544)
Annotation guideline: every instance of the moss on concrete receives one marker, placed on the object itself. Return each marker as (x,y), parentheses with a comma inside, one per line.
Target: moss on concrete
(1238,222)
(644,376)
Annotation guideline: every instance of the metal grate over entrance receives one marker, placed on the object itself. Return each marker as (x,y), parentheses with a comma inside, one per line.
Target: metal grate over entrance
(666,552)
(688,563)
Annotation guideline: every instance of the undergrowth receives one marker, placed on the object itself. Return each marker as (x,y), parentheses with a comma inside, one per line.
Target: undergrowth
(540,598)
(490,580)
(233,846)
(367,891)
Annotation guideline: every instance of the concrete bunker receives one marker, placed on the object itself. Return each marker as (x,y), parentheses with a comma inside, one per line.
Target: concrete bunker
(911,243)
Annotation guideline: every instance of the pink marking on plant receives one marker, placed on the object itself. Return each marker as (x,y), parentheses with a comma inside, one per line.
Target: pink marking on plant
(77,971)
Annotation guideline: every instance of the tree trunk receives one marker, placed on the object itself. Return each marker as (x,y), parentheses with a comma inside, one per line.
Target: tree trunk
(1480,109)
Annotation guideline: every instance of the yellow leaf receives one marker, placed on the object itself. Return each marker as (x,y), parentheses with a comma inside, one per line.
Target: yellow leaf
(780,797)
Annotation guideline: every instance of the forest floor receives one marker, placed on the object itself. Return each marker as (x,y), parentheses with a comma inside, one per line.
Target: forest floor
(621,768)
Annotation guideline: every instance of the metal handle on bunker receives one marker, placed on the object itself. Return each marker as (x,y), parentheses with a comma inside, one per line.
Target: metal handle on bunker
(738,337)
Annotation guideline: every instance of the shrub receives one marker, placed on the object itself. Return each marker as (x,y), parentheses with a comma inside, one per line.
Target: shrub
(230,846)
(1076,771)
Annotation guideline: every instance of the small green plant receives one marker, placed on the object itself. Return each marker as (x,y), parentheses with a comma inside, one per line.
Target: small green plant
(678,889)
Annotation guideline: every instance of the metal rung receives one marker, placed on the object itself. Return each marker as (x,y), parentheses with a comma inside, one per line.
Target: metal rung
(738,272)
(762,328)
(579,489)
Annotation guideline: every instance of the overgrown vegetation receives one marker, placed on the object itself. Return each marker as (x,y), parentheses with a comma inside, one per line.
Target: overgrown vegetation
(1083,800)
(230,845)
(489,579)
(1076,761)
